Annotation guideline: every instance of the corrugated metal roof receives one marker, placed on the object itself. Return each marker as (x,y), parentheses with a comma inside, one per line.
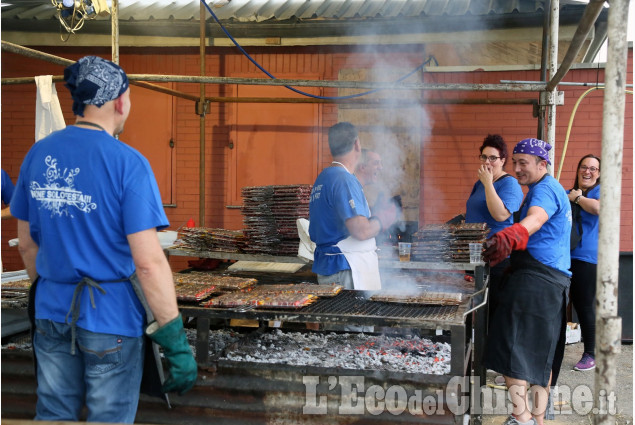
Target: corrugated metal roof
(282,10)
(262,10)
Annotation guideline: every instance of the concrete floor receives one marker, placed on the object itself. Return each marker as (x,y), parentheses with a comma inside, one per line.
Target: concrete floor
(571,410)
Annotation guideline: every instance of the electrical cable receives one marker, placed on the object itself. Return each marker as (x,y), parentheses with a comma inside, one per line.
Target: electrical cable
(75,13)
(351,96)
(566,139)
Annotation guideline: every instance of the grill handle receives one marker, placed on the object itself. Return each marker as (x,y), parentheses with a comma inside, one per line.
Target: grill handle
(486,290)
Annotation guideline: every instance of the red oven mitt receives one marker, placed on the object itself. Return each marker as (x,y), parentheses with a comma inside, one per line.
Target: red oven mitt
(501,244)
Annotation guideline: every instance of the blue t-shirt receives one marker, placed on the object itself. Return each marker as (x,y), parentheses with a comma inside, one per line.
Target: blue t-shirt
(587,249)
(337,195)
(508,189)
(550,244)
(82,192)
(7,188)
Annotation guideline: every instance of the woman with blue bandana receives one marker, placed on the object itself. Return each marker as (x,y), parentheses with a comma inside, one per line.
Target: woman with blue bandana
(527,330)
(88,210)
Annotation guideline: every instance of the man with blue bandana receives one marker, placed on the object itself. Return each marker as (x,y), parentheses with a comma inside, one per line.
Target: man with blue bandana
(528,325)
(88,210)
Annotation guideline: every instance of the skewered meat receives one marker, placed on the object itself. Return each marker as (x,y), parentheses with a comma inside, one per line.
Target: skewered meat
(428,298)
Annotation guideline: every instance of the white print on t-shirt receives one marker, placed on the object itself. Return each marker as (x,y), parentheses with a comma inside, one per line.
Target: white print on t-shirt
(315,192)
(58,193)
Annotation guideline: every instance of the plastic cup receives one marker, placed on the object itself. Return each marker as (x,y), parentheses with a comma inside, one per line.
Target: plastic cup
(404,251)
(476,253)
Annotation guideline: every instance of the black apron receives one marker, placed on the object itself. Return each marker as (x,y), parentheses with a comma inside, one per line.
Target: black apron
(153,375)
(529,324)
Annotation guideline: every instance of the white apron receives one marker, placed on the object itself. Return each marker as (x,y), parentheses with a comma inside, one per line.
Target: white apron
(362,257)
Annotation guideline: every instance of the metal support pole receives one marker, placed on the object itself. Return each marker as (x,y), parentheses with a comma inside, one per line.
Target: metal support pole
(374,103)
(567,83)
(115,31)
(554,24)
(608,325)
(544,57)
(202,106)
(35,54)
(340,83)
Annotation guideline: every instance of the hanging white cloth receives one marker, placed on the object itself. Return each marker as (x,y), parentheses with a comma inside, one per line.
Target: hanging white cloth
(307,246)
(362,257)
(48,112)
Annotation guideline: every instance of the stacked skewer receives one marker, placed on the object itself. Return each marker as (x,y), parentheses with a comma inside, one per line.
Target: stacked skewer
(447,242)
(270,214)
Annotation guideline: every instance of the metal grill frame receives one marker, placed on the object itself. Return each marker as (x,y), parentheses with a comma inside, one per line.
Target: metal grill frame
(435,318)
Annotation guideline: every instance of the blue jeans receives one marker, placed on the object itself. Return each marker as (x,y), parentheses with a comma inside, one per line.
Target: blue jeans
(104,374)
(343,277)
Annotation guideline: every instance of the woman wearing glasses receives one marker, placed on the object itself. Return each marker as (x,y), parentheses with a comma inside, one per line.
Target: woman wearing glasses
(495,196)
(585,209)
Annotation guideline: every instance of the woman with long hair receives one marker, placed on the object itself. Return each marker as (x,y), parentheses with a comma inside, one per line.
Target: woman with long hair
(585,210)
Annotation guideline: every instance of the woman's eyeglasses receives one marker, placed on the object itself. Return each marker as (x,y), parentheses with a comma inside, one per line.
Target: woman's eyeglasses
(491,158)
(585,168)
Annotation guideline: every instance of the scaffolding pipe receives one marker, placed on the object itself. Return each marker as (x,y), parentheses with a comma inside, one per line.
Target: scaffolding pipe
(35,54)
(537,87)
(534,87)
(393,102)
(554,24)
(544,56)
(149,86)
(58,78)
(165,90)
(567,83)
(374,103)
(202,106)
(591,13)
(28,80)
(608,324)
(115,31)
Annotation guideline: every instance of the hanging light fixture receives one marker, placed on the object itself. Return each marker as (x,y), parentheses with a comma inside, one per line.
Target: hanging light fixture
(73,13)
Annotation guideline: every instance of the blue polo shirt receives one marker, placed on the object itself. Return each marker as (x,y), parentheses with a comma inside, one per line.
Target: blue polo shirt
(336,196)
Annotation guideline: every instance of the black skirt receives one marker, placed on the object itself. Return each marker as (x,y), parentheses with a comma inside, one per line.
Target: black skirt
(527,324)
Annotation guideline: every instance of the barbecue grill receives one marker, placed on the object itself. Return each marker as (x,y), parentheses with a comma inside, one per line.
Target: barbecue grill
(353,307)
(461,325)
(244,392)
(15,296)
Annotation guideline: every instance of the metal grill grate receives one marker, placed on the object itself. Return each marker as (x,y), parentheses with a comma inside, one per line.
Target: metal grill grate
(355,303)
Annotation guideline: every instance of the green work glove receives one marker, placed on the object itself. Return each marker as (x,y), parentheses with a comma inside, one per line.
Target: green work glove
(181,364)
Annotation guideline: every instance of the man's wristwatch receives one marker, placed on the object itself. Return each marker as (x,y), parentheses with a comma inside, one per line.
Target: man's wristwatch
(577,199)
